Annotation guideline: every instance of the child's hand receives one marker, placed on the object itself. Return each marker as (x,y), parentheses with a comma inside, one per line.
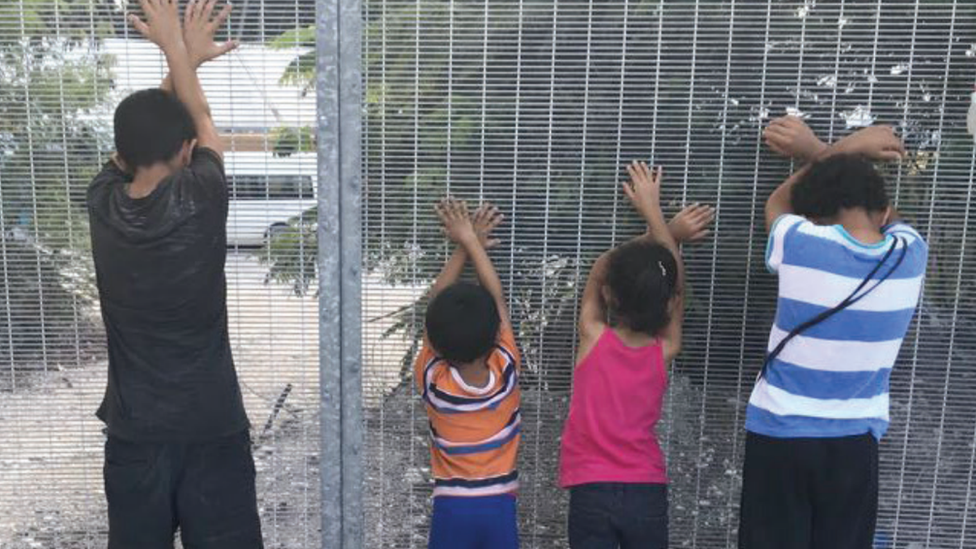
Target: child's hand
(644,188)
(199,28)
(162,24)
(485,219)
(457,223)
(691,224)
(790,136)
(877,142)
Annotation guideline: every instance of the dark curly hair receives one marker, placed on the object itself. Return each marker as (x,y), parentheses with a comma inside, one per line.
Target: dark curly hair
(642,278)
(462,323)
(836,183)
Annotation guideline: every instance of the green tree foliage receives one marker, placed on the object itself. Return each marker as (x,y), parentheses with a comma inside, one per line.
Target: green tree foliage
(301,73)
(54,81)
(462,95)
(53,84)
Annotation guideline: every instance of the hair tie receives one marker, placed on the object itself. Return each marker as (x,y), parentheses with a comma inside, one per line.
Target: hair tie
(664,272)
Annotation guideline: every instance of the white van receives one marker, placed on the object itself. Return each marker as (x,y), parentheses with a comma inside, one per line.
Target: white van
(265,193)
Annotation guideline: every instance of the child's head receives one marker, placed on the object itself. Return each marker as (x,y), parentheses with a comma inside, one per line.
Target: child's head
(462,323)
(641,282)
(839,184)
(153,127)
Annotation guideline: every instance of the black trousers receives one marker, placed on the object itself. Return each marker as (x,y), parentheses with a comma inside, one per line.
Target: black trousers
(204,489)
(809,493)
(614,515)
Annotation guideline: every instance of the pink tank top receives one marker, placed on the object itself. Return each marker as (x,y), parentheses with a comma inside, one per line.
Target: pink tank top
(610,434)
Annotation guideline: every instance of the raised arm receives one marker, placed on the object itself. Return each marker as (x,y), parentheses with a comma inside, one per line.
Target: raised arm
(691,223)
(484,221)
(450,273)
(199,29)
(644,190)
(162,27)
(793,138)
(592,316)
(460,228)
(780,202)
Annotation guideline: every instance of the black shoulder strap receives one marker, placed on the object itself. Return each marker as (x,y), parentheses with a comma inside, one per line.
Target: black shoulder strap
(855,296)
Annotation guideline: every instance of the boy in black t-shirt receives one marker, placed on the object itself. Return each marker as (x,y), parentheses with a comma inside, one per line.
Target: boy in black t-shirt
(178,453)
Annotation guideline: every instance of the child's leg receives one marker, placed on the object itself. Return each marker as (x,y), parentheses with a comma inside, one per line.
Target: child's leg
(846,495)
(643,517)
(777,510)
(591,516)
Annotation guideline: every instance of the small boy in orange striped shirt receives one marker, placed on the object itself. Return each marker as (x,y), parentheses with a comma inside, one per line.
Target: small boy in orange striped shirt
(467,373)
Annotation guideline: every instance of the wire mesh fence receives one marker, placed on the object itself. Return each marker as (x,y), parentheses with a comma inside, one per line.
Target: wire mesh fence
(63,67)
(535,105)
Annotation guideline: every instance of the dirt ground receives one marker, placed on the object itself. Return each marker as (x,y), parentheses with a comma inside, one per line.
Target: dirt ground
(50,460)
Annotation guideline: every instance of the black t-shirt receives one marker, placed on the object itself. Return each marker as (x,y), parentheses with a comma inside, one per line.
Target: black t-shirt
(160,262)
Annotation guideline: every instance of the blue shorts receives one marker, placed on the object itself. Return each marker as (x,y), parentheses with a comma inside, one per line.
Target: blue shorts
(489,522)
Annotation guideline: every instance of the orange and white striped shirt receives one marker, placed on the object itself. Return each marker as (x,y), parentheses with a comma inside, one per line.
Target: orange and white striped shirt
(474,432)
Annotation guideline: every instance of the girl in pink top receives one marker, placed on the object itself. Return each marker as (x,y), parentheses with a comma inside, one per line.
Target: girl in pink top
(630,329)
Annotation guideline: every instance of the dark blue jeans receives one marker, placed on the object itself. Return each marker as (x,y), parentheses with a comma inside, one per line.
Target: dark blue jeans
(625,516)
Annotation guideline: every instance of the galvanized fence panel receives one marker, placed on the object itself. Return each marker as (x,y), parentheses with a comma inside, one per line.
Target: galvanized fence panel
(63,67)
(535,105)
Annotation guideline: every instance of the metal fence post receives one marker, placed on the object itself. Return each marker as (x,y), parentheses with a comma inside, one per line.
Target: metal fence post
(338,90)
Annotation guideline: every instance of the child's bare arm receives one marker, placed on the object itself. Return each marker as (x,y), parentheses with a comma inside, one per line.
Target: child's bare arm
(592,316)
(473,236)
(489,278)
(644,190)
(791,136)
(199,29)
(450,273)
(780,202)
(877,143)
(163,28)
(484,220)
(691,224)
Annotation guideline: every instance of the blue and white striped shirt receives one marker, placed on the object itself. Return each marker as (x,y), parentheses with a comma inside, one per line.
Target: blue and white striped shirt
(833,379)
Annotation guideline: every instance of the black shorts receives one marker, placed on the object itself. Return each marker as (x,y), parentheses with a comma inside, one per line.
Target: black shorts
(809,493)
(204,489)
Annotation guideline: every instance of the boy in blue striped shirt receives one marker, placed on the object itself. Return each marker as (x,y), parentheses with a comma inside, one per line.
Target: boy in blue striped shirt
(850,274)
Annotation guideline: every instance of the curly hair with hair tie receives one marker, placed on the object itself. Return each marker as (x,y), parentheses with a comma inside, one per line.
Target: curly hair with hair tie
(641,282)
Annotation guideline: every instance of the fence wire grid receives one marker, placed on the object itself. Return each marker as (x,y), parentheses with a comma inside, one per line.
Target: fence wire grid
(534,105)
(64,65)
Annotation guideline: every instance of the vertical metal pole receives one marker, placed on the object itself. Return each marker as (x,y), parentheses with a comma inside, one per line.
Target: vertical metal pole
(338,90)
